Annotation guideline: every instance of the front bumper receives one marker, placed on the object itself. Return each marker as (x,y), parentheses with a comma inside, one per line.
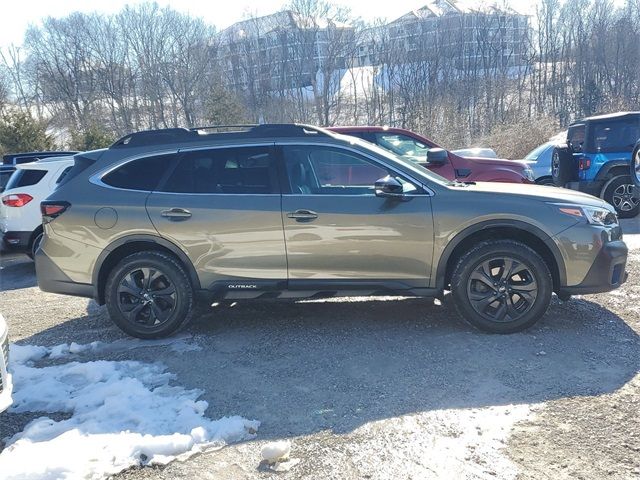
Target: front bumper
(15,241)
(6,386)
(606,273)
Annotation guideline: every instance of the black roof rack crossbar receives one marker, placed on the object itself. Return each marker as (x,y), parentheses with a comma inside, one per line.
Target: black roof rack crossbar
(185,135)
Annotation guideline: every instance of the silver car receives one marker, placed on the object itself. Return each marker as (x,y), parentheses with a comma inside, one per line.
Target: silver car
(162,218)
(6,386)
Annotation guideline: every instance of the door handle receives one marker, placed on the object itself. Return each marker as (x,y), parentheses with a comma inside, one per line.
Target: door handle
(176,213)
(303,215)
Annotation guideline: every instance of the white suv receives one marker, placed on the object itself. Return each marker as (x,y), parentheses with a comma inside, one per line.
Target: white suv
(20,217)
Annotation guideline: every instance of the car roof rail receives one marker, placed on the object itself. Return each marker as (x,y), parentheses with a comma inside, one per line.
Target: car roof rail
(181,135)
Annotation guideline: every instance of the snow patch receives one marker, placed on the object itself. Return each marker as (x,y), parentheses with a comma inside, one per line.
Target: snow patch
(123,413)
(444,444)
(23,354)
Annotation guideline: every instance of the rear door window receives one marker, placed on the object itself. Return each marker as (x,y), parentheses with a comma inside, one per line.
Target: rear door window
(614,136)
(143,174)
(25,178)
(238,170)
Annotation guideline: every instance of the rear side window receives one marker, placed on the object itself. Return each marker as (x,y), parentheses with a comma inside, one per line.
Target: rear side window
(614,136)
(63,174)
(244,170)
(575,137)
(80,164)
(25,178)
(143,174)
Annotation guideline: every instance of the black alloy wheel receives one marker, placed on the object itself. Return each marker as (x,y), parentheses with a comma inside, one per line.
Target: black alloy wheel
(501,286)
(502,289)
(149,295)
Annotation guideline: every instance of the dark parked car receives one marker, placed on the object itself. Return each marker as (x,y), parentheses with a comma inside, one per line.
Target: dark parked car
(595,159)
(164,217)
(28,157)
(417,148)
(5,174)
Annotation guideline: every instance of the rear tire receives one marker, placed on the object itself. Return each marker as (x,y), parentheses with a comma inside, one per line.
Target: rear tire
(562,166)
(149,295)
(635,166)
(619,193)
(501,286)
(35,243)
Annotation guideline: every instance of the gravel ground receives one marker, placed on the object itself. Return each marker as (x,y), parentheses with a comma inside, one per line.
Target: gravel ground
(388,387)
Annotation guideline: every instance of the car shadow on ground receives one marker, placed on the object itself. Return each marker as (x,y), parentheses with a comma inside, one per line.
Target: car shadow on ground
(16,271)
(302,368)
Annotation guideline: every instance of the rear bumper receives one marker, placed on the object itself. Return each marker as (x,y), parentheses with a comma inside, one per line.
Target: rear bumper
(606,273)
(52,279)
(15,241)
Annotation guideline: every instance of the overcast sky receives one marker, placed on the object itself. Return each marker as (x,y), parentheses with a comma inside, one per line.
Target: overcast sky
(16,16)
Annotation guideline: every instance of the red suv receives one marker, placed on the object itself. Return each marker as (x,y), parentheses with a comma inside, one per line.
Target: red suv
(415,147)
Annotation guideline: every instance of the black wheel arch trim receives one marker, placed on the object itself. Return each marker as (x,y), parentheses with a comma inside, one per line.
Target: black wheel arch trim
(604,171)
(489,224)
(172,247)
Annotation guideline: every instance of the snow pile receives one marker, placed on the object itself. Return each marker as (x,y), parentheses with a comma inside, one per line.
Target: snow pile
(276,451)
(123,413)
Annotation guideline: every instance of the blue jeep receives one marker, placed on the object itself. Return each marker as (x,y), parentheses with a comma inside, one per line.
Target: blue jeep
(596,157)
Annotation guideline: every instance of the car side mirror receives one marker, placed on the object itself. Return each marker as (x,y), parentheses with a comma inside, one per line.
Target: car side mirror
(389,187)
(437,156)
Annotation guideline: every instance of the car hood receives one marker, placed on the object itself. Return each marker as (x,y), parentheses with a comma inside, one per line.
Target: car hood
(538,192)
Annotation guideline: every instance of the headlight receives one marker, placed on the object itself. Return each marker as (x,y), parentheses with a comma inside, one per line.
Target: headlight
(528,172)
(593,215)
(600,216)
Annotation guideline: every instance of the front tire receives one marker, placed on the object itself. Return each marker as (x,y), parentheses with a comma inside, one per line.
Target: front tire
(501,286)
(149,295)
(619,193)
(546,182)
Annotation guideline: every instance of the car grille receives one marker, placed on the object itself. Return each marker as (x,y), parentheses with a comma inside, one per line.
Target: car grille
(5,356)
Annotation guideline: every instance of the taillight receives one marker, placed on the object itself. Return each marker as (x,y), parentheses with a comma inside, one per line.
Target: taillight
(52,209)
(16,199)
(585,163)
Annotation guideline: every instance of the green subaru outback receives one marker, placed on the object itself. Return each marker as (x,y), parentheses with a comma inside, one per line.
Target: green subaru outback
(164,219)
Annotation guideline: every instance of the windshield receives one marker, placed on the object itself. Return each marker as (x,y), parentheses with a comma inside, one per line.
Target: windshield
(412,165)
(536,152)
(403,146)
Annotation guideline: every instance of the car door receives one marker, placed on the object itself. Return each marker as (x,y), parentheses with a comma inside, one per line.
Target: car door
(337,229)
(222,206)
